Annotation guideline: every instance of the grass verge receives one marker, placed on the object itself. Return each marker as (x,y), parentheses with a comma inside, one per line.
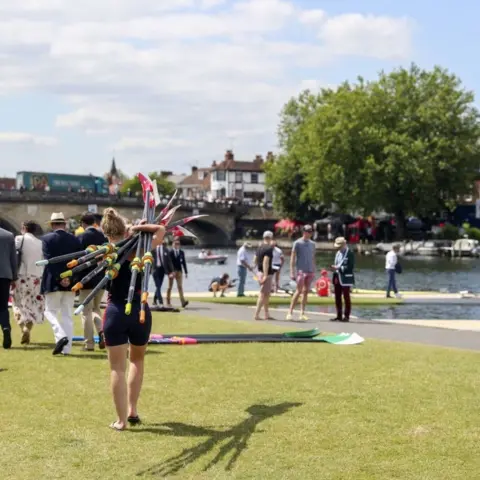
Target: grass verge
(312,300)
(253,411)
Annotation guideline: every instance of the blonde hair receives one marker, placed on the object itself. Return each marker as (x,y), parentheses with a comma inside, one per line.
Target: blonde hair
(113,224)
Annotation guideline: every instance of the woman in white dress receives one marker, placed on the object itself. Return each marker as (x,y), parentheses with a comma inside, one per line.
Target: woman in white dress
(277,263)
(28,304)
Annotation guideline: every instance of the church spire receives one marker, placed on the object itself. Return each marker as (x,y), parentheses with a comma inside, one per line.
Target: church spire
(113,169)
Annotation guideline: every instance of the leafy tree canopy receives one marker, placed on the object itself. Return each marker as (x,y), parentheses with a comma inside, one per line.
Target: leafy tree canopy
(407,143)
(165,186)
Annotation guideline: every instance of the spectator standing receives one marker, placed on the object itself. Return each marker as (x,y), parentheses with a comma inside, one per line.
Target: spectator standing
(59,298)
(8,277)
(343,279)
(91,316)
(391,266)
(278,261)
(163,266)
(179,263)
(243,264)
(302,270)
(28,303)
(264,263)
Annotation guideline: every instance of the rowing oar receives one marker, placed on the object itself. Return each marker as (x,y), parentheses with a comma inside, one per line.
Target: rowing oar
(107,261)
(147,263)
(167,208)
(110,274)
(105,249)
(69,256)
(168,216)
(184,221)
(136,263)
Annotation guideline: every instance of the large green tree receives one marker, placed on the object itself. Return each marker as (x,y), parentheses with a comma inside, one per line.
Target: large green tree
(165,186)
(407,143)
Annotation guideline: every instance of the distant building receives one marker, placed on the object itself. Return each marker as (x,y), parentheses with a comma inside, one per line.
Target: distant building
(196,185)
(175,178)
(7,183)
(239,179)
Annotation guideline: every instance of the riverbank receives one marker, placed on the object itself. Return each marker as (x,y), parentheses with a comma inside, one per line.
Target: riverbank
(286,244)
(359,297)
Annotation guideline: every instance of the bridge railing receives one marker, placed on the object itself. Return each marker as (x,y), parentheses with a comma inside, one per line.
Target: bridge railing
(87,198)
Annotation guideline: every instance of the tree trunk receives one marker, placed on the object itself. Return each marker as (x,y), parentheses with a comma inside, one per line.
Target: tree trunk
(401,229)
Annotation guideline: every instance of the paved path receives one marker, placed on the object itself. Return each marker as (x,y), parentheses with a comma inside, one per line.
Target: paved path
(383,330)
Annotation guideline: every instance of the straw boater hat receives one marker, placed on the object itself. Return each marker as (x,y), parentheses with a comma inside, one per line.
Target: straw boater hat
(57,218)
(340,241)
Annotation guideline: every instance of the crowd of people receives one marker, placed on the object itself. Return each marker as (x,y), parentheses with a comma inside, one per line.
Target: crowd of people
(268,262)
(41,292)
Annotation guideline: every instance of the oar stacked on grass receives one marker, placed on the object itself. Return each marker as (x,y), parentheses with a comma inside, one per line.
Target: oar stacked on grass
(110,257)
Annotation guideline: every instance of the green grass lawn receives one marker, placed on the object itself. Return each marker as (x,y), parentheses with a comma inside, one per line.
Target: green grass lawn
(312,300)
(381,411)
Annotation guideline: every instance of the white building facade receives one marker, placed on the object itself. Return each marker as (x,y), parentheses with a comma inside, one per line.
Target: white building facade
(238,179)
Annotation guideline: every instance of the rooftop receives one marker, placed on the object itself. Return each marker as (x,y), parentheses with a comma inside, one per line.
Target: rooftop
(200,177)
(229,163)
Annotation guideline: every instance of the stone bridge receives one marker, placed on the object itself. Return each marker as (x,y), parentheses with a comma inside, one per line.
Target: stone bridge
(218,229)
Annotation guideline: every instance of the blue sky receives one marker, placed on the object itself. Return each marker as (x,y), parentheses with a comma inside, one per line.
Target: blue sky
(172,87)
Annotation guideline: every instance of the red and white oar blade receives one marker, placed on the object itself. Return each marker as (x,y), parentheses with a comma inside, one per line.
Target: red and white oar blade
(165,210)
(147,186)
(185,220)
(181,232)
(169,216)
(156,195)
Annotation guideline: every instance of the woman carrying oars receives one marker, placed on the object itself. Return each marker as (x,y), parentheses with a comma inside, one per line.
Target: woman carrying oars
(125,332)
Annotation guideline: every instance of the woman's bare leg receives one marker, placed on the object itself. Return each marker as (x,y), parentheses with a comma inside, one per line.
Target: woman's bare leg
(117,357)
(135,377)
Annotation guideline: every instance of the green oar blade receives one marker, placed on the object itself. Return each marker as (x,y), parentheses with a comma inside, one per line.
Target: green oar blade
(303,333)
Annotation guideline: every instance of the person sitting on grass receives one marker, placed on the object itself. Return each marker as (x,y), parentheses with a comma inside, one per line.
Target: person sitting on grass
(220,284)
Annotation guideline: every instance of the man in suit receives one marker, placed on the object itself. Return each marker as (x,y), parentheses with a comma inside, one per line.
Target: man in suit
(178,260)
(343,279)
(59,298)
(163,266)
(8,275)
(91,314)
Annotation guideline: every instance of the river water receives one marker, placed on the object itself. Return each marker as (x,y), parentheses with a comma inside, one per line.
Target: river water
(426,273)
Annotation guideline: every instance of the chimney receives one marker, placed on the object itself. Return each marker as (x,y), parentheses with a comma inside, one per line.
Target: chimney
(258,160)
(270,157)
(194,169)
(214,164)
(229,156)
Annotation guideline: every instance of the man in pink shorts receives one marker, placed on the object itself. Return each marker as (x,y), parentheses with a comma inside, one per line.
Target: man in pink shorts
(302,269)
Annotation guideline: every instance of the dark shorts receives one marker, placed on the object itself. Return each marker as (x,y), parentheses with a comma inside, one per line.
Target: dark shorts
(120,328)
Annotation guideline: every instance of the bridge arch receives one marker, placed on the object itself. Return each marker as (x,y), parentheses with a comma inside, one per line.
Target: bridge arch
(208,233)
(8,224)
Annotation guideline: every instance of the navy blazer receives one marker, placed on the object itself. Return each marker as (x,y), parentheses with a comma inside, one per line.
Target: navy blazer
(92,236)
(54,244)
(166,261)
(178,262)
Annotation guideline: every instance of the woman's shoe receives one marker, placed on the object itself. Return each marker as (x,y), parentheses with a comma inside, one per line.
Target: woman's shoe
(134,420)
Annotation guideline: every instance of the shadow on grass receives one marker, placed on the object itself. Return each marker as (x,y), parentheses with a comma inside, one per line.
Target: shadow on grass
(234,440)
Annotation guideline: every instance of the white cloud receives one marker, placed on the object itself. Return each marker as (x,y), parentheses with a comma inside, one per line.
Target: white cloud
(179,76)
(26,139)
(138,144)
(313,17)
(368,35)
(211,3)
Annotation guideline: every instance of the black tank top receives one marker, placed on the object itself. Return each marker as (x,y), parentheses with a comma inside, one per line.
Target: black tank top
(118,288)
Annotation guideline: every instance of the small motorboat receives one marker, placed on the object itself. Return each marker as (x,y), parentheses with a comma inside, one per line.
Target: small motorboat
(207,259)
(463,247)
